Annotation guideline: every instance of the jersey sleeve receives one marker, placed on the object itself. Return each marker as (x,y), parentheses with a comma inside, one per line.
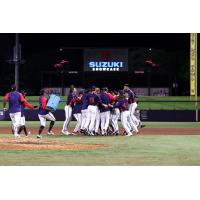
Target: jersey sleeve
(27,104)
(98,100)
(75,100)
(117,104)
(111,97)
(6,97)
(22,99)
(44,103)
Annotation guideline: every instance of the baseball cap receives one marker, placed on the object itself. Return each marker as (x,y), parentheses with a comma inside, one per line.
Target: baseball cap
(93,88)
(13,87)
(105,89)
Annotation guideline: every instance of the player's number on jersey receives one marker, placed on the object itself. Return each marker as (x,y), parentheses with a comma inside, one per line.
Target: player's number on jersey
(91,100)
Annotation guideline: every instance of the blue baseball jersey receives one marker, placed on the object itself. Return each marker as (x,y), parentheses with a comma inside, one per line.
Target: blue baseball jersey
(14,99)
(42,105)
(122,105)
(84,102)
(70,97)
(93,99)
(77,107)
(131,97)
(104,99)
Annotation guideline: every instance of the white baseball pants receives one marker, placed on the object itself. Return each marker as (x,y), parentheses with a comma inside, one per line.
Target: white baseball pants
(90,122)
(15,118)
(126,122)
(22,121)
(68,115)
(132,108)
(84,115)
(97,122)
(114,119)
(44,118)
(78,119)
(105,119)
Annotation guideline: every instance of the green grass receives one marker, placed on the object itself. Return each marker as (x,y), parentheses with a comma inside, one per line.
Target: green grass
(145,105)
(139,150)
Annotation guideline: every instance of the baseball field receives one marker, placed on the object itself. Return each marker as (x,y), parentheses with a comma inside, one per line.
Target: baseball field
(157,144)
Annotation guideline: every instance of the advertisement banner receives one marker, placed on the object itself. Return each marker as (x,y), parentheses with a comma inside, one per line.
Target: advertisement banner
(193,64)
(153,91)
(105,60)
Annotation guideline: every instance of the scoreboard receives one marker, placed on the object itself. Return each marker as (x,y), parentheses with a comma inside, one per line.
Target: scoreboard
(105,60)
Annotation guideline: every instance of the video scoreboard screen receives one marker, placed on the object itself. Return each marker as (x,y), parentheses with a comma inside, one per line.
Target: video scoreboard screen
(105,60)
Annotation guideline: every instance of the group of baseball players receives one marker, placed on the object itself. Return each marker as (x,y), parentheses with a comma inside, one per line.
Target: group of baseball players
(97,111)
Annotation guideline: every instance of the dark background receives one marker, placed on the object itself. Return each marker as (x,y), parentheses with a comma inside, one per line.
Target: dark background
(170,53)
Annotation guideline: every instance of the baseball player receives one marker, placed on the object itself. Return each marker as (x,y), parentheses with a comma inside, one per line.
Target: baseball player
(132,102)
(45,114)
(68,110)
(15,99)
(115,114)
(105,99)
(122,104)
(93,101)
(84,112)
(23,121)
(76,105)
(97,120)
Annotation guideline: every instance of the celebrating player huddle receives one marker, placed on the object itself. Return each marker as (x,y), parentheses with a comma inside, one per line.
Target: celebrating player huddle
(96,111)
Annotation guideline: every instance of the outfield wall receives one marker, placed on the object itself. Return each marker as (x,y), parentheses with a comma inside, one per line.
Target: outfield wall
(146,115)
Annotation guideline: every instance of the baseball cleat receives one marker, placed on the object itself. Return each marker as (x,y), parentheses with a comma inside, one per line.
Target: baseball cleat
(39,136)
(16,135)
(50,133)
(90,134)
(65,132)
(77,133)
(116,133)
(125,133)
(82,131)
(129,134)
(102,133)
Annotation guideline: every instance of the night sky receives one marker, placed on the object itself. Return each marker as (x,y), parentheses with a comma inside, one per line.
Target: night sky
(41,51)
(47,41)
